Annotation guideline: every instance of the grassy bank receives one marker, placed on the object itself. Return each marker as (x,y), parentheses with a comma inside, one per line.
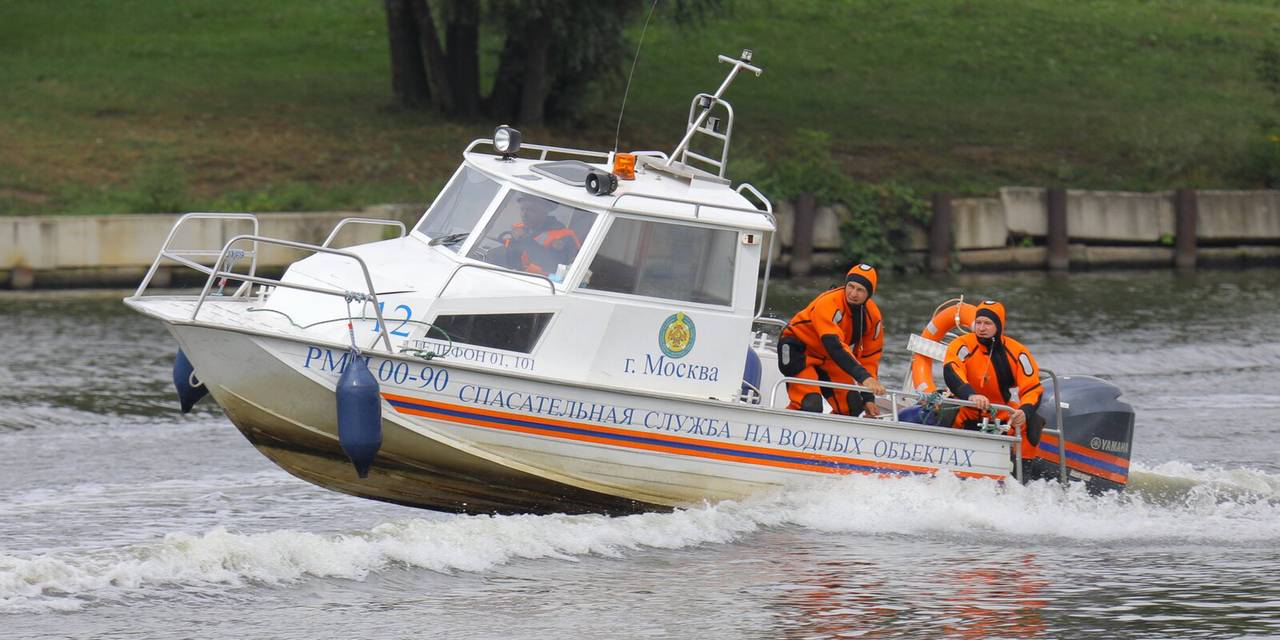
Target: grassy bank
(146,105)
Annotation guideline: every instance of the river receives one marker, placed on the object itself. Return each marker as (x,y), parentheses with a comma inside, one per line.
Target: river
(120,518)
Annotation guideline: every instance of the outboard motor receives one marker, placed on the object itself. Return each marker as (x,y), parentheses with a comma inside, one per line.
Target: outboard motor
(190,389)
(1097,427)
(359,414)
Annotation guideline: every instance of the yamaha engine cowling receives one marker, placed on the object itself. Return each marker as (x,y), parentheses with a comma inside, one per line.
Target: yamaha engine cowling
(1097,427)
(359,414)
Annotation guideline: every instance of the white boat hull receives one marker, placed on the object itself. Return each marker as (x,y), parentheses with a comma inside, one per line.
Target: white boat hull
(459,437)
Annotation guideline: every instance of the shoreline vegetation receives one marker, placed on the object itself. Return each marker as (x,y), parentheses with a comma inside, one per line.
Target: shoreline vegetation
(147,106)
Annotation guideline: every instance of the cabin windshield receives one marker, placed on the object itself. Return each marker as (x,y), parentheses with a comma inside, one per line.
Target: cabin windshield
(533,234)
(458,208)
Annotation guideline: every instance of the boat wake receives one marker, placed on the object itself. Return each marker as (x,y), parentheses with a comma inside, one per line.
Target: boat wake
(1172,482)
(1173,503)
(1153,361)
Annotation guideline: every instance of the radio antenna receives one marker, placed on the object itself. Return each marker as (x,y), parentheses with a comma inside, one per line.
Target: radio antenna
(617,136)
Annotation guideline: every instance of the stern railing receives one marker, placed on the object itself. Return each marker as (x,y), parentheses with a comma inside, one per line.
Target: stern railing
(895,394)
(1057,432)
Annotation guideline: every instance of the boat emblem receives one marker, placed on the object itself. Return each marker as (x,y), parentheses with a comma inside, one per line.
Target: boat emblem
(677,335)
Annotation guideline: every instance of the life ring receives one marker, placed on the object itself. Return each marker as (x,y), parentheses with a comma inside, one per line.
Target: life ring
(946,319)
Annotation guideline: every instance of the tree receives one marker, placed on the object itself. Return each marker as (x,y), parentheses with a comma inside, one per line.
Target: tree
(552,50)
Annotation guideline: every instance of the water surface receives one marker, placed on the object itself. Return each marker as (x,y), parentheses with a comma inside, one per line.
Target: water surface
(120,518)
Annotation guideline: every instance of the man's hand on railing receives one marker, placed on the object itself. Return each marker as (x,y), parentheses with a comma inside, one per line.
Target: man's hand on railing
(980,401)
(874,385)
(1017,419)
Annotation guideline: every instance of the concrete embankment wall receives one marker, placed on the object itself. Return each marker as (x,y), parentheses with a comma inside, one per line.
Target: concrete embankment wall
(1103,229)
(1011,231)
(117,250)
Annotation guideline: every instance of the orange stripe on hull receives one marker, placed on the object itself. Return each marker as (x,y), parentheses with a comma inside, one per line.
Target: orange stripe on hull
(666,444)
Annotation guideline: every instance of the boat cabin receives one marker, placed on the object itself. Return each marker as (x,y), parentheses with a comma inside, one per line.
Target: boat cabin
(517,266)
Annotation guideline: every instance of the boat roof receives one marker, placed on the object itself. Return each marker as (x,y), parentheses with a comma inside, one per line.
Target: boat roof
(660,188)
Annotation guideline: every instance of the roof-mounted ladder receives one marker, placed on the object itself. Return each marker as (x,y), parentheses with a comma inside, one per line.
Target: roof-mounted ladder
(701,121)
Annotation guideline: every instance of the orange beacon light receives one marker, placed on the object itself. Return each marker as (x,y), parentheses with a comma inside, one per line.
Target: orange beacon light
(624,165)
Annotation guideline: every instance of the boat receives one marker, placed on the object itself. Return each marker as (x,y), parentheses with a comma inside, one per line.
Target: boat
(563,331)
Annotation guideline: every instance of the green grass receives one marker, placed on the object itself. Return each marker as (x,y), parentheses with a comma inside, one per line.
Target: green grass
(143,105)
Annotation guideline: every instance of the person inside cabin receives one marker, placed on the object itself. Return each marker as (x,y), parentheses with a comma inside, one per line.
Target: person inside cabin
(538,243)
(986,367)
(839,338)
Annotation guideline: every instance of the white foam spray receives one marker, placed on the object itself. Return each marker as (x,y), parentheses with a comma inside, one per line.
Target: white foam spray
(1216,507)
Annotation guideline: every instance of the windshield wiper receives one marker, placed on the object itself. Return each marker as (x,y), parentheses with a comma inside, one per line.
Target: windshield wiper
(450,239)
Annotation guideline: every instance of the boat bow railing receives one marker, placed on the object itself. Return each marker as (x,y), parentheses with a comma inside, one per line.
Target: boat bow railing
(228,251)
(183,256)
(915,396)
(226,258)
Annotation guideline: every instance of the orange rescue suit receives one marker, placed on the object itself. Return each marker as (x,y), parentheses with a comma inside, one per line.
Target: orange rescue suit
(969,368)
(551,243)
(840,344)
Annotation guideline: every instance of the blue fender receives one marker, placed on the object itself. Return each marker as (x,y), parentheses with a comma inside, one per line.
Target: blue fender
(183,376)
(751,372)
(359,414)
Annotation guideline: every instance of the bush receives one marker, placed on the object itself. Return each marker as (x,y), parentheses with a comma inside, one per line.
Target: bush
(880,215)
(880,218)
(1262,157)
(1262,160)
(160,188)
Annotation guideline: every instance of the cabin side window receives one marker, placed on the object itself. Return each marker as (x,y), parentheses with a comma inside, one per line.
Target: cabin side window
(507,331)
(458,208)
(665,260)
(533,234)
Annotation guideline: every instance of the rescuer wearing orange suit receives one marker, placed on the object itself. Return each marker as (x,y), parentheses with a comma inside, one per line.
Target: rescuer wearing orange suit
(986,366)
(837,338)
(538,243)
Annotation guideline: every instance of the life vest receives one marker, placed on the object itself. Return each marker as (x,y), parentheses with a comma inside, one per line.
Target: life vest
(546,238)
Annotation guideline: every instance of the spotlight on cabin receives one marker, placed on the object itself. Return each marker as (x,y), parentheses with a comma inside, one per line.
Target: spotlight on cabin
(506,141)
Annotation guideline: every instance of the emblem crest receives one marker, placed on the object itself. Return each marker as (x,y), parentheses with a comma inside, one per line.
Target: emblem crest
(677,335)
